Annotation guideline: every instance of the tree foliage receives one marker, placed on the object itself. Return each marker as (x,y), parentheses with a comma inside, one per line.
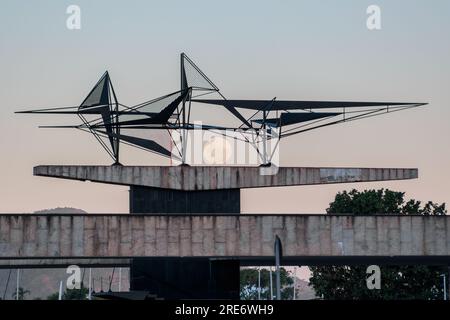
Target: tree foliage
(71,294)
(22,294)
(382,201)
(249,284)
(398,282)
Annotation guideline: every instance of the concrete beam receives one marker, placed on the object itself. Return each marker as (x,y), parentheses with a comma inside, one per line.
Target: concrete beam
(239,237)
(55,263)
(190,178)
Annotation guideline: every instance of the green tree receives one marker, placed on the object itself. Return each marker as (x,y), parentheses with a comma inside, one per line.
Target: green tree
(22,293)
(249,284)
(71,294)
(398,282)
(53,296)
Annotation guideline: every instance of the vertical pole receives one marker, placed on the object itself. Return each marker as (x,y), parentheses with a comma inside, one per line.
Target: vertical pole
(183,112)
(60,290)
(117,141)
(17,284)
(114,121)
(278,284)
(7,283)
(111,278)
(183,142)
(90,284)
(120,279)
(295,281)
(271,285)
(259,284)
(264,138)
(278,253)
(445,286)
(449,280)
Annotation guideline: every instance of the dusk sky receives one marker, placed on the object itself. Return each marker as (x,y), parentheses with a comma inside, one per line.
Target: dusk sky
(302,50)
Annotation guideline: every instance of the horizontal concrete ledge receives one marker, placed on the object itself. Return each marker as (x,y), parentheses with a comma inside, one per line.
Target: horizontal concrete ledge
(56,263)
(347,260)
(244,261)
(125,236)
(190,178)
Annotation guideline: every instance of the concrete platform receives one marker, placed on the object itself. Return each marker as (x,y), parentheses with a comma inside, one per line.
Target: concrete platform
(230,237)
(190,178)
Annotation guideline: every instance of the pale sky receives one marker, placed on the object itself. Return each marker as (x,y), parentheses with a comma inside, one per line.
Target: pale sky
(303,50)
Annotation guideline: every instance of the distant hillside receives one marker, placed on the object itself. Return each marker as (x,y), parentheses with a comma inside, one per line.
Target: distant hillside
(65,210)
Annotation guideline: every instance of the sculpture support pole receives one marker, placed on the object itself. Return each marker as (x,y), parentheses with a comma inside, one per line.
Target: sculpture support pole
(183,112)
(264,138)
(183,137)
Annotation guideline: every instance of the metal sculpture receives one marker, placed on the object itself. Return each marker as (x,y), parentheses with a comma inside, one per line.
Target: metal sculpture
(110,121)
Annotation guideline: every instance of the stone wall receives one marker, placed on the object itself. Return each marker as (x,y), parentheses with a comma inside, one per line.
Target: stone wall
(115,236)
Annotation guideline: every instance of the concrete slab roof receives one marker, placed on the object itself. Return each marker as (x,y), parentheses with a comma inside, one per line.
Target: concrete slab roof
(189,178)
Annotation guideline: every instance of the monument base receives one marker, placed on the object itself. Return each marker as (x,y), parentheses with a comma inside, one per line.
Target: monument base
(147,200)
(198,190)
(185,278)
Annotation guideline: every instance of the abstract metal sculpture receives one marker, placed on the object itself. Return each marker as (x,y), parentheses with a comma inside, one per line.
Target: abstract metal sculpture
(110,121)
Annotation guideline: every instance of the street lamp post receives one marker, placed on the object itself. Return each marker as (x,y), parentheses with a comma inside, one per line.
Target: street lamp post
(17,284)
(444,279)
(271,284)
(259,284)
(295,281)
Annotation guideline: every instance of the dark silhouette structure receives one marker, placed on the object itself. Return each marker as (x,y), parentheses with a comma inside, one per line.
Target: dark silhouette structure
(113,123)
